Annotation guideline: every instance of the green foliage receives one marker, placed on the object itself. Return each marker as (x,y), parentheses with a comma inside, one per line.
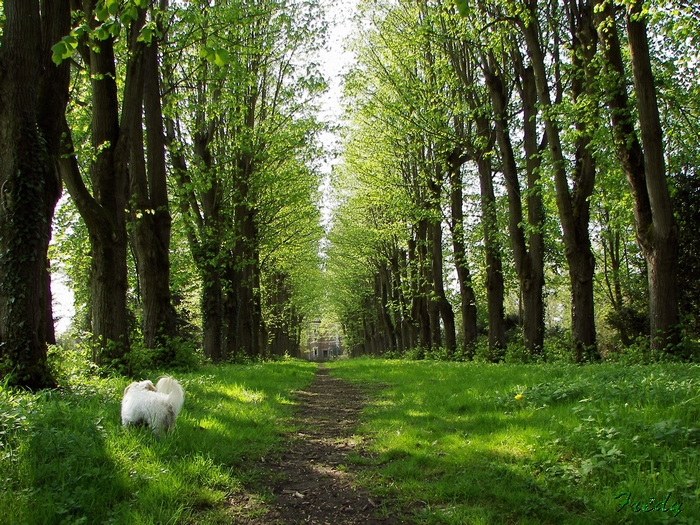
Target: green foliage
(483,443)
(65,458)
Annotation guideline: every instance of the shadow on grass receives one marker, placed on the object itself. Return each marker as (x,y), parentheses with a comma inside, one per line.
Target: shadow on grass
(69,468)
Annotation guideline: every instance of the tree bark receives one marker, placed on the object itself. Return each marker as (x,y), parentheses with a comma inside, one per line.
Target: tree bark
(657,232)
(573,206)
(33,95)
(467,296)
(529,264)
(443,305)
(150,217)
(494,266)
(661,243)
(104,213)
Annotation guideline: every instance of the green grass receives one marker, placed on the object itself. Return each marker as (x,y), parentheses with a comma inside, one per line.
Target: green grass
(486,444)
(65,459)
(458,443)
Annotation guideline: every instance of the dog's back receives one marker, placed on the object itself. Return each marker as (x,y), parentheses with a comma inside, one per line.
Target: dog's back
(176,395)
(156,406)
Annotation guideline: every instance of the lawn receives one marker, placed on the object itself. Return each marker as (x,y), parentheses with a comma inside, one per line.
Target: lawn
(65,459)
(454,443)
(477,443)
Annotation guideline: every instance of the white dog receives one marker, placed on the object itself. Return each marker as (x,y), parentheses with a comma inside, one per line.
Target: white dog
(156,406)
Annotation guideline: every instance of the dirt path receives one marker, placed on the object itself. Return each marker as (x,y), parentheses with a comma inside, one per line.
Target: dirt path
(311,482)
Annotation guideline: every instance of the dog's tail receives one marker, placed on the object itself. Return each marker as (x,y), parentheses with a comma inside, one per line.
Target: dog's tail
(170,387)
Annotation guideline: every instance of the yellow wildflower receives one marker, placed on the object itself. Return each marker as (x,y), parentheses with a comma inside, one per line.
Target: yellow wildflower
(518,397)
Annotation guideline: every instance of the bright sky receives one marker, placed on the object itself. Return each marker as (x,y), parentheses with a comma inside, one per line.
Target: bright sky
(334,62)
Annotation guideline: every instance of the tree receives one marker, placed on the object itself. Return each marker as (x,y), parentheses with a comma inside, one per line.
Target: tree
(105,209)
(148,202)
(34,95)
(643,164)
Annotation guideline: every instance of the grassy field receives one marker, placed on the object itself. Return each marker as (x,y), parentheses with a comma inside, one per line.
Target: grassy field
(65,459)
(457,443)
(476,444)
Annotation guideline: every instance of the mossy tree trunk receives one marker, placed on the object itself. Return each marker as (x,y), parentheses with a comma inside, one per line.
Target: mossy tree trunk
(33,97)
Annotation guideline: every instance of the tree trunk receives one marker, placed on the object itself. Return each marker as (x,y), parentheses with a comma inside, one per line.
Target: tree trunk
(397,298)
(419,306)
(467,297)
(494,266)
(426,287)
(244,258)
(660,243)
(212,311)
(529,264)
(383,288)
(30,186)
(150,233)
(53,98)
(445,308)
(104,214)
(657,233)
(573,209)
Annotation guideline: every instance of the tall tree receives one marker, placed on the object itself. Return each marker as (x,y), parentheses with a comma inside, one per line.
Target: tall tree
(528,256)
(105,209)
(148,202)
(34,93)
(644,165)
(573,204)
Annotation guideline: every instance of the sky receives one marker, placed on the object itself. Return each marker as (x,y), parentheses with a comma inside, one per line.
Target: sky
(335,62)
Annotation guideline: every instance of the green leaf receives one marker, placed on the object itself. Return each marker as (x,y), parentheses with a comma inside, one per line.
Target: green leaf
(102,33)
(462,7)
(112,6)
(59,50)
(146,35)
(102,13)
(129,15)
(222,57)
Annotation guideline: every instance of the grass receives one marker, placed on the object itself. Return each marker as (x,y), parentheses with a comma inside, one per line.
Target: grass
(487,444)
(65,459)
(458,443)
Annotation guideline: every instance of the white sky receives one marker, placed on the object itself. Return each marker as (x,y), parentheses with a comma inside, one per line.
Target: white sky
(335,62)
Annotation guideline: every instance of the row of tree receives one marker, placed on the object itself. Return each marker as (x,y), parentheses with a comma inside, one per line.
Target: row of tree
(185,134)
(527,115)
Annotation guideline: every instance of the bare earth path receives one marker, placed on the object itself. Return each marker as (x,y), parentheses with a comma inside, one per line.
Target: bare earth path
(310,481)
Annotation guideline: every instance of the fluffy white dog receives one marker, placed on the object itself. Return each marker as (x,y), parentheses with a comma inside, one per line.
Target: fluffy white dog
(156,406)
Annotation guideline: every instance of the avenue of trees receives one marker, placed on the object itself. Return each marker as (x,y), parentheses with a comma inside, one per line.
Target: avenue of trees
(507,158)
(514,172)
(185,136)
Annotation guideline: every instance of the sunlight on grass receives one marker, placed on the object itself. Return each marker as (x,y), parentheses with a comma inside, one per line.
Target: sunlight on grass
(65,458)
(478,443)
